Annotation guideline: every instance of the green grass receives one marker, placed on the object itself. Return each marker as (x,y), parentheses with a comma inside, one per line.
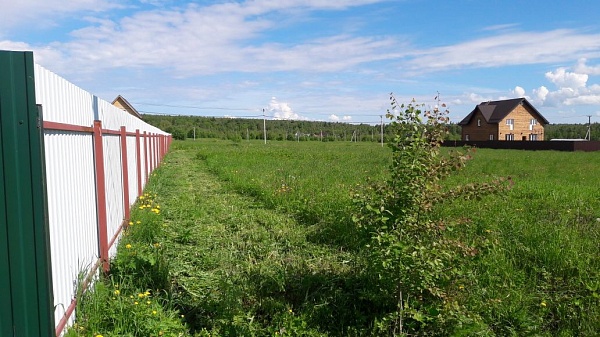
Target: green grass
(255,239)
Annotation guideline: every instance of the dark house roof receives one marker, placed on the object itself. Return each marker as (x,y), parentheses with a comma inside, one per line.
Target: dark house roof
(494,111)
(127,106)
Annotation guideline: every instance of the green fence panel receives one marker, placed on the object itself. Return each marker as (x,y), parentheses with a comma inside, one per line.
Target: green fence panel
(26,308)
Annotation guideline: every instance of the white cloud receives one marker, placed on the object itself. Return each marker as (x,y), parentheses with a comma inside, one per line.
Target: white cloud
(347,118)
(565,79)
(519,91)
(509,49)
(541,93)
(334,118)
(476,98)
(212,39)
(583,100)
(47,13)
(282,110)
(582,68)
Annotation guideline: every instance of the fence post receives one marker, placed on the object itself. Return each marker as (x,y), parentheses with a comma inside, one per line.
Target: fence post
(101,195)
(138,161)
(26,308)
(124,165)
(146,157)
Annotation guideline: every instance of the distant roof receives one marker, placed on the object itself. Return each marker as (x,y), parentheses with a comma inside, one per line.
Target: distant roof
(123,103)
(495,111)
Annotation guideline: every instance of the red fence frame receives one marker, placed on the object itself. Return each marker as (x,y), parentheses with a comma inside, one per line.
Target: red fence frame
(155,147)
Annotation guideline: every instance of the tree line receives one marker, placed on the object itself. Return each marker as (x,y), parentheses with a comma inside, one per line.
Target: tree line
(182,127)
(237,129)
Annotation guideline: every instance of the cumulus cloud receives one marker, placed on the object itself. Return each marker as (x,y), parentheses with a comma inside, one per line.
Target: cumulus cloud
(519,91)
(570,84)
(281,110)
(582,68)
(541,93)
(565,79)
(336,118)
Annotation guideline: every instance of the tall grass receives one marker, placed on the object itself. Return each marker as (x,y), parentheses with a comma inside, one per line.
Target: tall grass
(256,240)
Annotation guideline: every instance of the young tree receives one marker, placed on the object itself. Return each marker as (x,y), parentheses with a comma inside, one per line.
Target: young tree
(410,251)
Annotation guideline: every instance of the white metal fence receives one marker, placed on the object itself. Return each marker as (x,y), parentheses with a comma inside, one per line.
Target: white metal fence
(98,159)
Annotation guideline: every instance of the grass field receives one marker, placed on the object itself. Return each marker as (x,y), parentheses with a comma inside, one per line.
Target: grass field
(253,239)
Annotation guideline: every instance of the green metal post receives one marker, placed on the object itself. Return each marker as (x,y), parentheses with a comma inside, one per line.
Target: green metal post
(26,308)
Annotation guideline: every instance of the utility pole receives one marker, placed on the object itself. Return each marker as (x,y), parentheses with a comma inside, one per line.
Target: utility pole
(588,135)
(381,116)
(265,126)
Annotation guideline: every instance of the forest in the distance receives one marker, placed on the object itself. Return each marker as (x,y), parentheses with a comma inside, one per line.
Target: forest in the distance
(182,127)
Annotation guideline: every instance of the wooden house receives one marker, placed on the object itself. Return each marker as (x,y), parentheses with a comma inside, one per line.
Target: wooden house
(121,103)
(511,120)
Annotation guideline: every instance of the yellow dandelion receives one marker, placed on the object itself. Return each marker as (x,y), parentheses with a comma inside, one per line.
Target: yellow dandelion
(136,303)
(156,245)
(130,223)
(461,287)
(157,206)
(543,304)
(141,207)
(142,197)
(128,246)
(154,312)
(117,292)
(141,295)
(148,302)
(130,296)
(99,335)
(138,222)
(146,293)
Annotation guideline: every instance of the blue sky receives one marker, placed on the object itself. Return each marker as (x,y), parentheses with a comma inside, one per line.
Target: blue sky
(330,60)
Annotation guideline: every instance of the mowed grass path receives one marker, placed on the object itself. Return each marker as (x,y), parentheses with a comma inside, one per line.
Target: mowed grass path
(233,261)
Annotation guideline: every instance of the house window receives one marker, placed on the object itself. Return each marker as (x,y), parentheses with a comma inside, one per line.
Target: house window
(479,122)
(491,136)
(510,123)
(533,136)
(509,136)
(467,138)
(532,123)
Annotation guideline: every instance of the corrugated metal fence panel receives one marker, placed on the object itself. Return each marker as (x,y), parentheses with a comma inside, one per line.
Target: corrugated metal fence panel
(132,169)
(71,211)
(70,167)
(114,184)
(62,101)
(142,163)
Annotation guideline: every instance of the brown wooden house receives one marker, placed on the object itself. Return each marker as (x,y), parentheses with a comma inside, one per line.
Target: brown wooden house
(121,103)
(511,119)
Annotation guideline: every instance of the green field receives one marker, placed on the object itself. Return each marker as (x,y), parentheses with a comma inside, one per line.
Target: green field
(255,239)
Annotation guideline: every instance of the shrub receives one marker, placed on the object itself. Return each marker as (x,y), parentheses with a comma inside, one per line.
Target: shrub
(412,257)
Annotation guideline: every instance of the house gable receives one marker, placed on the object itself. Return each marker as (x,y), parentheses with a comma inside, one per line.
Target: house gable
(121,103)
